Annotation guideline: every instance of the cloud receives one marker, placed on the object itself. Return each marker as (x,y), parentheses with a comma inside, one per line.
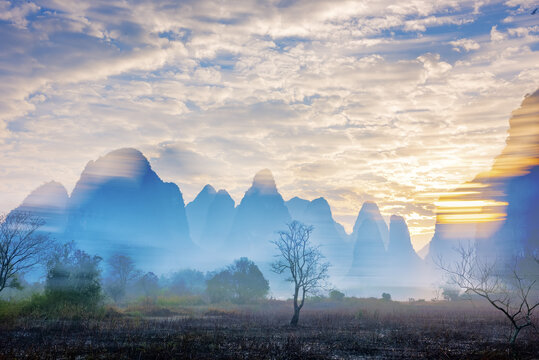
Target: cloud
(347,100)
(16,13)
(431,21)
(521,3)
(496,35)
(464,44)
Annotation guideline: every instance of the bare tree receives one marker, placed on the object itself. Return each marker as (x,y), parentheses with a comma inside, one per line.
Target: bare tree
(122,270)
(510,289)
(149,283)
(21,246)
(302,261)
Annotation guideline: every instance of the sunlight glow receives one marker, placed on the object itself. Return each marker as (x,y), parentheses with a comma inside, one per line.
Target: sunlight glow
(451,204)
(482,200)
(471,218)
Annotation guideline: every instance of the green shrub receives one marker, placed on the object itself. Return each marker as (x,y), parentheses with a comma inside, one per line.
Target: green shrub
(73,280)
(336,295)
(10,310)
(60,306)
(72,289)
(240,283)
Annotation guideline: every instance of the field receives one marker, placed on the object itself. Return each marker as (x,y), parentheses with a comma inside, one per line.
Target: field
(350,329)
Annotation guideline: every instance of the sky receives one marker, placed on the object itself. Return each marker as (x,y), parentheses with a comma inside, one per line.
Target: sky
(395,102)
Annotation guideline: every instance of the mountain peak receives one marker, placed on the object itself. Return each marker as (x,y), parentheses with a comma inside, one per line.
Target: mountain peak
(51,194)
(264,182)
(321,206)
(296,207)
(400,244)
(208,189)
(369,210)
(204,198)
(370,206)
(320,202)
(125,162)
(399,235)
(223,192)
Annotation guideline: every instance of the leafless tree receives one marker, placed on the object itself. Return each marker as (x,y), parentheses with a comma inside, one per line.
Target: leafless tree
(511,289)
(302,261)
(122,270)
(21,245)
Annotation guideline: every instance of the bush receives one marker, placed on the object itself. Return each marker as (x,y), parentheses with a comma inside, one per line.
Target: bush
(386,297)
(46,306)
(72,289)
(220,288)
(10,310)
(53,306)
(336,295)
(185,282)
(72,281)
(240,283)
(148,284)
(451,294)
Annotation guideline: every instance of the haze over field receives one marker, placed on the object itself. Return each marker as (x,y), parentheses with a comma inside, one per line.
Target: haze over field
(349,101)
(269,179)
(121,206)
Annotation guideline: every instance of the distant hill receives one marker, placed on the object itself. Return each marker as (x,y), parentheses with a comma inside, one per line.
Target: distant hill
(374,266)
(120,204)
(259,216)
(197,212)
(405,266)
(328,234)
(49,202)
(369,210)
(210,217)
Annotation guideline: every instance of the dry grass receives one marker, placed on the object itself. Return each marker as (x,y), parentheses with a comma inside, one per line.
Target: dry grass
(353,329)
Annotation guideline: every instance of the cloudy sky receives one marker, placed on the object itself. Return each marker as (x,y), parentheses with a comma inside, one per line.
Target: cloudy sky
(351,100)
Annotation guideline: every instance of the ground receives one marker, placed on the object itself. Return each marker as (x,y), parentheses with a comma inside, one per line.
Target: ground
(360,329)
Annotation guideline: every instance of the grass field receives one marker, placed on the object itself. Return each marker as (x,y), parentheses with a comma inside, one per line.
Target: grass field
(349,329)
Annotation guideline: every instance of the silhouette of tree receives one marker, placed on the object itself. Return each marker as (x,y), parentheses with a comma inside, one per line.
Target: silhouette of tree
(242,282)
(149,283)
(187,281)
(21,245)
(451,294)
(122,270)
(73,277)
(336,295)
(302,261)
(249,283)
(219,287)
(509,289)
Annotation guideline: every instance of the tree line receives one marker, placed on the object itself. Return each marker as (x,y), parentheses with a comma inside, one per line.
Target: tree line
(75,278)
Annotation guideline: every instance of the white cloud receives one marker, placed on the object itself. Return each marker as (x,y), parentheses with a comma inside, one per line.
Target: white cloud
(521,3)
(16,13)
(496,35)
(465,44)
(422,24)
(340,99)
